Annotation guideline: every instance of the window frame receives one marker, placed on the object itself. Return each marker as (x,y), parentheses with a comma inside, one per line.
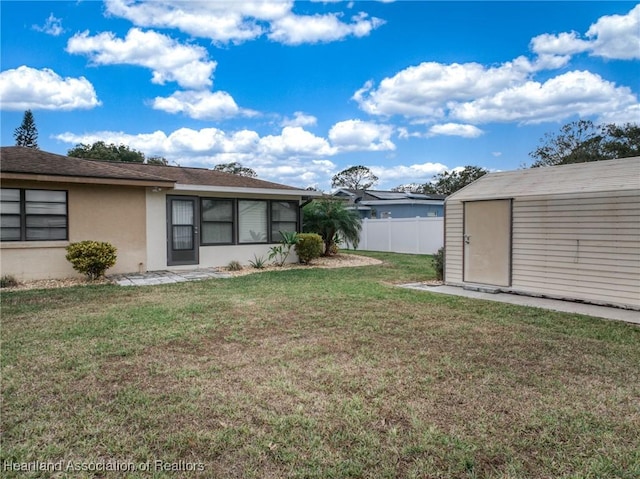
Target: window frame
(24,216)
(232,222)
(270,220)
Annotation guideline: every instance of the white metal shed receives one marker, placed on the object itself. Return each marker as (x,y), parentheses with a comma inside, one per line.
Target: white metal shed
(570,232)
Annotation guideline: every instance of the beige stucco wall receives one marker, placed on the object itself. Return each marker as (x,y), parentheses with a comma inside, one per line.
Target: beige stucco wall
(95,212)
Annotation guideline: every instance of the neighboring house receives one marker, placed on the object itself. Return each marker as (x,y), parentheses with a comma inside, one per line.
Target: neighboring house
(569,232)
(159,217)
(393,204)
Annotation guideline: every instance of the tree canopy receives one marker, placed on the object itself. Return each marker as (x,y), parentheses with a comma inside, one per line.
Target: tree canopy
(27,133)
(111,152)
(101,151)
(236,168)
(449,182)
(354,178)
(581,141)
(329,218)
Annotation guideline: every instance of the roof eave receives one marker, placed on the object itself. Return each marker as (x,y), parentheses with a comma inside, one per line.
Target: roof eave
(90,180)
(244,189)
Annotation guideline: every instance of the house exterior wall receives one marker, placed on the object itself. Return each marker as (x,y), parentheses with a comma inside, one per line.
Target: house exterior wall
(577,246)
(209,256)
(94,212)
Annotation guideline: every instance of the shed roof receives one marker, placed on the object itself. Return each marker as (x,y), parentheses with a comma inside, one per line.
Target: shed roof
(621,174)
(31,161)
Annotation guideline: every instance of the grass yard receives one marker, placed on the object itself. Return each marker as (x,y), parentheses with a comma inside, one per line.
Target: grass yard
(313,373)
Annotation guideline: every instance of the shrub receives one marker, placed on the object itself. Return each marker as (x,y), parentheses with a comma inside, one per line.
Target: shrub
(234,266)
(257,262)
(309,246)
(92,258)
(281,252)
(8,281)
(438,263)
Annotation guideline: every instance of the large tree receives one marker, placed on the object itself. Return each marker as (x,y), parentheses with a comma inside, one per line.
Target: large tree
(354,178)
(449,182)
(236,168)
(27,133)
(101,151)
(581,141)
(330,218)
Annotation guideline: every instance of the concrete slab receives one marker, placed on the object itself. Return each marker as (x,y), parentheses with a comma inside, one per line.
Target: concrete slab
(617,314)
(152,278)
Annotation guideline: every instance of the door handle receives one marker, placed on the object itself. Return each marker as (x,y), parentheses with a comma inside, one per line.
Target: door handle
(467,239)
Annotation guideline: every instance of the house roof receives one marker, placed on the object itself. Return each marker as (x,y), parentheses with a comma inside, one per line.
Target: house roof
(622,174)
(22,162)
(374,195)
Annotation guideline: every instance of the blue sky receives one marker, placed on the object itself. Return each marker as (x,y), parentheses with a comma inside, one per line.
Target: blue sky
(299,91)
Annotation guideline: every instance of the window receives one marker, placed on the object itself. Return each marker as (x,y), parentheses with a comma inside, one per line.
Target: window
(284,217)
(217,221)
(252,221)
(33,215)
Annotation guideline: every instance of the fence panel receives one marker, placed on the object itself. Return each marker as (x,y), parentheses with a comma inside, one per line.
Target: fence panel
(402,235)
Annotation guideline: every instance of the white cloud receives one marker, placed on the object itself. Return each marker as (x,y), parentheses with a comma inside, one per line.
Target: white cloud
(426,89)
(27,88)
(294,157)
(402,174)
(578,92)
(296,142)
(169,60)
(617,36)
(612,36)
(297,29)
(237,22)
(300,119)
(562,44)
(358,135)
(52,26)
(201,105)
(455,129)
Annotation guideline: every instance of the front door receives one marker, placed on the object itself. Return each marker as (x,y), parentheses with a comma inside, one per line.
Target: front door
(487,242)
(182,230)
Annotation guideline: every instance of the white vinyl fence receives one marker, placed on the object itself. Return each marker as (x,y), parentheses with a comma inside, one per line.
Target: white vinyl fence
(402,235)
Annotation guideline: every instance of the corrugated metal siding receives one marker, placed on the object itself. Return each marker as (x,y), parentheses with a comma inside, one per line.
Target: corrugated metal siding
(453,242)
(584,247)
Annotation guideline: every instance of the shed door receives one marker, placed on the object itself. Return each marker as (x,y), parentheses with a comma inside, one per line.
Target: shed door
(182,230)
(487,242)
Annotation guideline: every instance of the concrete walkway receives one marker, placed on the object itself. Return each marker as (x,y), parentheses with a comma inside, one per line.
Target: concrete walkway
(618,314)
(167,277)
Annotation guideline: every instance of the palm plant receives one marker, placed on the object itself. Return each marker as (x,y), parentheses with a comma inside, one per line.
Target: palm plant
(330,218)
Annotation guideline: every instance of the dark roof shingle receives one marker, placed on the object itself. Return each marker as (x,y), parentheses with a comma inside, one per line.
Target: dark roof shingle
(18,159)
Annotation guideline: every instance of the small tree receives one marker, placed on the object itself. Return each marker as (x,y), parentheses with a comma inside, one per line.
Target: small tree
(27,133)
(354,178)
(330,218)
(92,258)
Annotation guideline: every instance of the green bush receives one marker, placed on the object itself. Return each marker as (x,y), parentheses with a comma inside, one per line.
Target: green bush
(438,263)
(92,258)
(234,266)
(8,281)
(309,246)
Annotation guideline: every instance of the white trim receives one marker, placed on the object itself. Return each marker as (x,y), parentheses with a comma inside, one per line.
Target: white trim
(258,191)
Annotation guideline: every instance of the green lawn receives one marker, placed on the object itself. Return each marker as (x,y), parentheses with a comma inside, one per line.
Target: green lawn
(314,373)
